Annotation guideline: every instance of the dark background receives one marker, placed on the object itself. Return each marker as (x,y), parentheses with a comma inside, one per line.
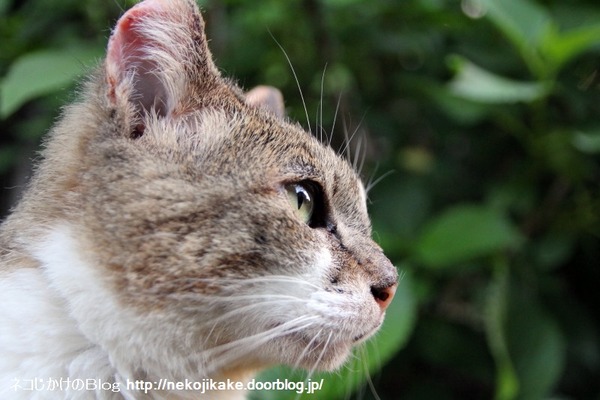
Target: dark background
(481,117)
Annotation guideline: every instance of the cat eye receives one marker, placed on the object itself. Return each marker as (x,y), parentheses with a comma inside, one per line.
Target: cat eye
(302,200)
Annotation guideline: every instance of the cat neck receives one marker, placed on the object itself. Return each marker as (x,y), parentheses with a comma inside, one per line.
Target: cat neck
(47,295)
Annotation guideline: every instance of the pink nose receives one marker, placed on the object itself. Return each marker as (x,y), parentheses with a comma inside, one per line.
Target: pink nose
(384,295)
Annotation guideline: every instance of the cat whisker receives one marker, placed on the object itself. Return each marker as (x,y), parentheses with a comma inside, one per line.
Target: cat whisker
(357,152)
(249,281)
(234,298)
(361,153)
(372,182)
(228,352)
(296,78)
(271,297)
(279,278)
(260,338)
(346,150)
(320,108)
(335,114)
(350,378)
(306,350)
(401,276)
(120,6)
(239,310)
(363,357)
(291,279)
(320,357)
(310,373)
(259,306)
(344,147)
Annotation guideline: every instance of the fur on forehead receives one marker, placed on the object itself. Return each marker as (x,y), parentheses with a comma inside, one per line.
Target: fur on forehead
(255,146)
(248,134)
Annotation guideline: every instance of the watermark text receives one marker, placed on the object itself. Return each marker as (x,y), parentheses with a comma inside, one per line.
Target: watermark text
(200,386)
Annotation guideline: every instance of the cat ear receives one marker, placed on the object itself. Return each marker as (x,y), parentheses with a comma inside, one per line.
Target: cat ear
(268,98)
(156,50)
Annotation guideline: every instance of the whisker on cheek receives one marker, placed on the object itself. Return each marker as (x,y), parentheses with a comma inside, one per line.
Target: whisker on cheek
(228,352)
(307,349)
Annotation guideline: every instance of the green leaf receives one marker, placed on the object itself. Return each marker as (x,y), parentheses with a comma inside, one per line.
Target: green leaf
(507,383)
(526,24)
(536,344)
(463,233)
(399,210)
(533,31)
(461,110)
(560,48)
(587,142)
(398,325)
(444,344)
(527,345)
(523,21)
(4,4)
(40,73)
(552,250)
(473,83)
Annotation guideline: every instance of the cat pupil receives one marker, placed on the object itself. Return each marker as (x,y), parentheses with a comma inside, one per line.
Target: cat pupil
(302,196)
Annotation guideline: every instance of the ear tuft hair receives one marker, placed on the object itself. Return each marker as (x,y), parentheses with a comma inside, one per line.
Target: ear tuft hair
(157,49)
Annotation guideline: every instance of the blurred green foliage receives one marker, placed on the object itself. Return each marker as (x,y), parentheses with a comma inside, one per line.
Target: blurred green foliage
(488,114)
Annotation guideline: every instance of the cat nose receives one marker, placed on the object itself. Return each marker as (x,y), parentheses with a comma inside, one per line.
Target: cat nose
(383,295)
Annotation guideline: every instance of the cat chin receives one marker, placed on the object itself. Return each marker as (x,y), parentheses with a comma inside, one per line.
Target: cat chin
(330,360)
(329,365)
(301,352)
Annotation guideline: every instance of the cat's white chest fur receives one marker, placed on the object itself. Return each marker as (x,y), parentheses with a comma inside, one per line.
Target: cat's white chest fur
(39,340)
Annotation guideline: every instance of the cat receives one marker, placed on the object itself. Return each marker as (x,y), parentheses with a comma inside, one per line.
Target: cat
(179,229)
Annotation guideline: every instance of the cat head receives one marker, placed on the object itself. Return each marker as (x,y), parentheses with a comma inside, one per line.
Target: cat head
(206,210)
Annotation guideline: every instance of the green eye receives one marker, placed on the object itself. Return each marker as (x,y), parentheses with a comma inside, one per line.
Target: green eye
(301,199)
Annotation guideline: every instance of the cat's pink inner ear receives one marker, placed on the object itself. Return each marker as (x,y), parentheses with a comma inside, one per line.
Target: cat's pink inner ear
(129,61)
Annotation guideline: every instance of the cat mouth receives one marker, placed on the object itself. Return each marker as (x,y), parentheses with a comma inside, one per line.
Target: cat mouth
(358,338)
(365,335)
(315,342)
